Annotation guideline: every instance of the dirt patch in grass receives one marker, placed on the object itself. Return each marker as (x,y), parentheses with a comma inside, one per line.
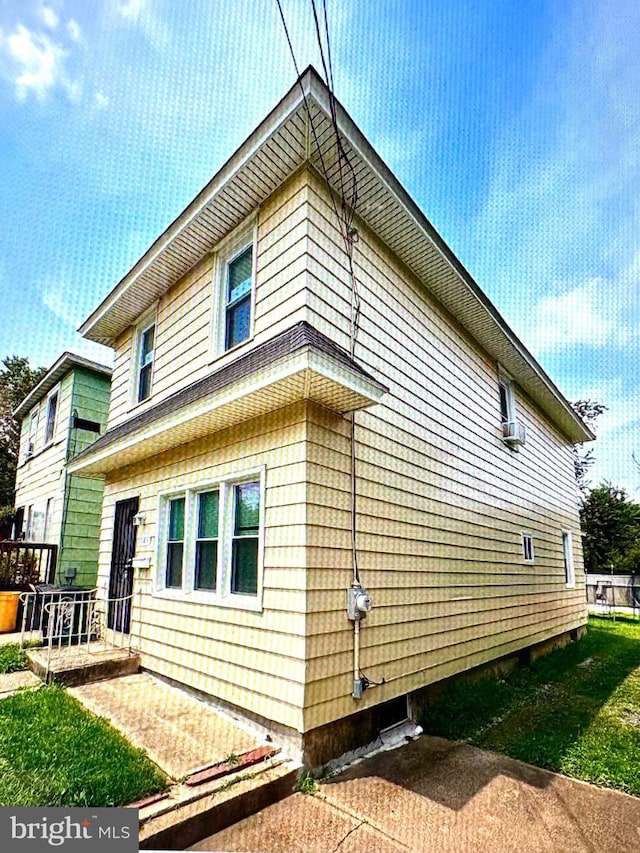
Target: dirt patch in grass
(55,753)
(576,711)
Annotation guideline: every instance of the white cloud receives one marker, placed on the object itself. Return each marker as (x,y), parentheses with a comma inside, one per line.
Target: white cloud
(56,298)
(101,100)
(141,14)
(38,61)
(73,28)
(131,10)
(49,17)
(36,65)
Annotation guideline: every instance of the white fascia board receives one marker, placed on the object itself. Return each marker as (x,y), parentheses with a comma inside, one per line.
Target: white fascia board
(276,118)
(297,363)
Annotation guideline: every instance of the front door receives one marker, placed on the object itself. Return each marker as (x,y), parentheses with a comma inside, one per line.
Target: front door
(121,577)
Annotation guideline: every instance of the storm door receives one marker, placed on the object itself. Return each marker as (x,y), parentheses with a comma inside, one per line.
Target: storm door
(121,577)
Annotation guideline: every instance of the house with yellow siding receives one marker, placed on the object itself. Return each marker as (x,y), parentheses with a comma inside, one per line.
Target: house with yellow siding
(333,475)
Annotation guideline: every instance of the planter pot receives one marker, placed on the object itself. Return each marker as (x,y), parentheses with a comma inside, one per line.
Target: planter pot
(9,601)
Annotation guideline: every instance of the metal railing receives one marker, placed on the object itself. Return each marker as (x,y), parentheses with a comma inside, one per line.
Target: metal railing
(31,562)
(75,623)
(615,593)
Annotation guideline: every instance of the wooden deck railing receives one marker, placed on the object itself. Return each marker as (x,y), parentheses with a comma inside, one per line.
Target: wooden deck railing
(32,562)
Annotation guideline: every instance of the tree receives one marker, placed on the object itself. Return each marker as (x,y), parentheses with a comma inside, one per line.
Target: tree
(589,411)
(611,527)
(17,379)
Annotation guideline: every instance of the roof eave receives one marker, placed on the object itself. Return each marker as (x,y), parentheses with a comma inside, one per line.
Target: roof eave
(66,362)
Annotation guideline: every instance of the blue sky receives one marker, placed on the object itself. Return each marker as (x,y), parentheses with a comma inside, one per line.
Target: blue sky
(514,125)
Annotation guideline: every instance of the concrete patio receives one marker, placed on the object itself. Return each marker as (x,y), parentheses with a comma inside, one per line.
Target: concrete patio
(442,797)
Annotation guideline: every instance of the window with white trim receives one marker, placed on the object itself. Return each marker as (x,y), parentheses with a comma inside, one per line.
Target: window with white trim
(527,548)
(175,543)
(32,433)
(234,292)
(145,344)
(52,410)
(507,404)
(210,541)
(569,566)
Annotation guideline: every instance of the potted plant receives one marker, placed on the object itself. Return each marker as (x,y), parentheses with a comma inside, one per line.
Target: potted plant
(9,594)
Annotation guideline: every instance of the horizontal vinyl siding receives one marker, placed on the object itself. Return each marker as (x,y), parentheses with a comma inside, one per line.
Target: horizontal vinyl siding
(42,477)
(441,500)
(254,660)
(183,349)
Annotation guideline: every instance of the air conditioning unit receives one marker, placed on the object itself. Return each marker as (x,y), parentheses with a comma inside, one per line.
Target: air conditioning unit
(514,433)
(30,449)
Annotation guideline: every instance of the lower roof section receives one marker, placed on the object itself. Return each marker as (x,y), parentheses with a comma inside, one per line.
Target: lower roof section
(298,364)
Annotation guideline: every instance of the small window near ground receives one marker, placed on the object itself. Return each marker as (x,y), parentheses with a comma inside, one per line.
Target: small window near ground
(206,570)
(52,409)
(527,548)
(569,568)
(238,287)
(175,543)
(244,547)
(145,362)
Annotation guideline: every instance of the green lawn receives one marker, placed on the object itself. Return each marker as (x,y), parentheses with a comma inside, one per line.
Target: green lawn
(55,753)
(576,711)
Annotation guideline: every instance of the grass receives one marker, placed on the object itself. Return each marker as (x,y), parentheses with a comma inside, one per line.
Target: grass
(576,711)
(55,753)
(12,658)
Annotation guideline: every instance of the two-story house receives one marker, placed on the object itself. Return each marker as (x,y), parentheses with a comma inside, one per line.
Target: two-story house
(257,465)
(61,416)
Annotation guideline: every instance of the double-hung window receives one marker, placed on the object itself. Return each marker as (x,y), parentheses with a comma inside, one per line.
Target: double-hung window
(33,432)
(175,543)
(238,294)
(206,557)
(52,409)
(507,406)
(210,542)
(145,350)
(244,541)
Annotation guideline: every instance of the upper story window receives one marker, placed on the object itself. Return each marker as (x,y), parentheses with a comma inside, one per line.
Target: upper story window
(145,349)
(507,405)
(33,432)
(239,278)
(52,410)
(234,288)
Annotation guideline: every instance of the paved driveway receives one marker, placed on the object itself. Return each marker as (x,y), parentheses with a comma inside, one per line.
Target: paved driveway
(434,795)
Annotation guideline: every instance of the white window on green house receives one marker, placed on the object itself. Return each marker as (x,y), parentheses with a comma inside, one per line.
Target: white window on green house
(244,547)
(146,343)
(52,410)
(527,548)
(569,566)
(206,561)
(175,543)
(238,295)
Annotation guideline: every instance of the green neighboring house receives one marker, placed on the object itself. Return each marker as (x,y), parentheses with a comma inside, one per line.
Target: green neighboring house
(65,413)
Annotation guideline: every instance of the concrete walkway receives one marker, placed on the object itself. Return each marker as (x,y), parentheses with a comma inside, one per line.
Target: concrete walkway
(434,795)
(178,732)
(11,682)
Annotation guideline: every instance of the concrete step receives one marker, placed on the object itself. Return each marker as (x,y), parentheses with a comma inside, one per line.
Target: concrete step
(74,667)
(187,815)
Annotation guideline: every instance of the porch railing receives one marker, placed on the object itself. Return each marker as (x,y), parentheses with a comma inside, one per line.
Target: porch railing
(32,562)
(74,623)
